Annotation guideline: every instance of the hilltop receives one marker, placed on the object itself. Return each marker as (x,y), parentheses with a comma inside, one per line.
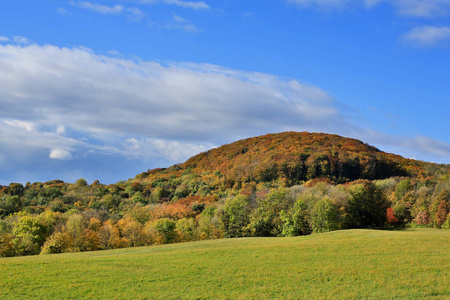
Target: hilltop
(298,157)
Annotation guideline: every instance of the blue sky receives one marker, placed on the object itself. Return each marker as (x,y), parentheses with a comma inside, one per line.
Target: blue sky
(108,89)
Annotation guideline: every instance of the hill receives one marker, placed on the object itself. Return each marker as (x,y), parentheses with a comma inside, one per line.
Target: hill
(351,264)
(285,184)
(298,157)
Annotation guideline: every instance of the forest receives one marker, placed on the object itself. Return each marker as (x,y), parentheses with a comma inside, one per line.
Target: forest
(286,184)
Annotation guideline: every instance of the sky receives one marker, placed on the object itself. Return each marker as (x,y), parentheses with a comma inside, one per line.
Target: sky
(107,89)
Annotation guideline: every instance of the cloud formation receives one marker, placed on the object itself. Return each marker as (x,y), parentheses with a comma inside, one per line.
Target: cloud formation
(68,103)
(61,98)
(427,35)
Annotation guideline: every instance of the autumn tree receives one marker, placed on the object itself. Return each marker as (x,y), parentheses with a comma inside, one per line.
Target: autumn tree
(162,231)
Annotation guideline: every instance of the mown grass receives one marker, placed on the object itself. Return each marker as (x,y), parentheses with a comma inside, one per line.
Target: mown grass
(363,264)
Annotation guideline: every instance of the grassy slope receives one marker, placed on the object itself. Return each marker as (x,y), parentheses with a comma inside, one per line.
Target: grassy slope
(342,264)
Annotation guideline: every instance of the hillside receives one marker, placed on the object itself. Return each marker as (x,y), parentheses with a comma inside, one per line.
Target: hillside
(296,157)
(350,264)
(301,156)
(285,184)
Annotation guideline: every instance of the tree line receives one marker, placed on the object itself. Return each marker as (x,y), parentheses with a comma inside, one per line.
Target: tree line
(56,217)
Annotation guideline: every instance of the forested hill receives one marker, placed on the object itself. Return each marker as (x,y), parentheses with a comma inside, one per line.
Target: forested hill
(300,156)
(282,184)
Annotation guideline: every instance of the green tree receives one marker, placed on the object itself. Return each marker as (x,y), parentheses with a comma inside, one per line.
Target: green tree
(162,231)
(265,219)
(295,222)
(81,182)
(367,206)
(324,216)
(30,235)
(235,216)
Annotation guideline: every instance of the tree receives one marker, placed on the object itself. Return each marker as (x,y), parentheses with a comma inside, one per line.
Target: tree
(265,219)
(422,217)
(235,216)
(210,226)
(324,216)
(134,232)
(296,220)
(390,216)
(186,230)
(58,242)
(162,231)
(7,247)
(81,182)
(367,206)
(444,207)
(109,236)
(442,213)
(30,235)
(75,228)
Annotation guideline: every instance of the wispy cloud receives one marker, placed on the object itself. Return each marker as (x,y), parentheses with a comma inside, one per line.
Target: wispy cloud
(99,97)
(180,23)
(21,40)
(99,8)
(4,39)
(427,35)
(62,11)
(320,3)
(421,8)
(133,13)
(186,4)
(410,8)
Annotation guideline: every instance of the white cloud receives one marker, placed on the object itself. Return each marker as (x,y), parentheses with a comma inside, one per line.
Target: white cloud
(4,39)
(421,8)
(332,3)
(185,4)
(106,99)
(188,4)
(427,35)
(60,154)
(412,8)
(28,126)
(133,13)
(60,130)
(21,40)
(176,151)
(99,8)
(20,140)
(80,102)
(412,147)
(181,24)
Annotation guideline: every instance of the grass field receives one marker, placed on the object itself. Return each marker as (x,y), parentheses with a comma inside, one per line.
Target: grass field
(363,264)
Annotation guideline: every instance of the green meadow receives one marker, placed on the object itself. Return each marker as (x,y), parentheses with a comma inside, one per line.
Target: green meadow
(363,264)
